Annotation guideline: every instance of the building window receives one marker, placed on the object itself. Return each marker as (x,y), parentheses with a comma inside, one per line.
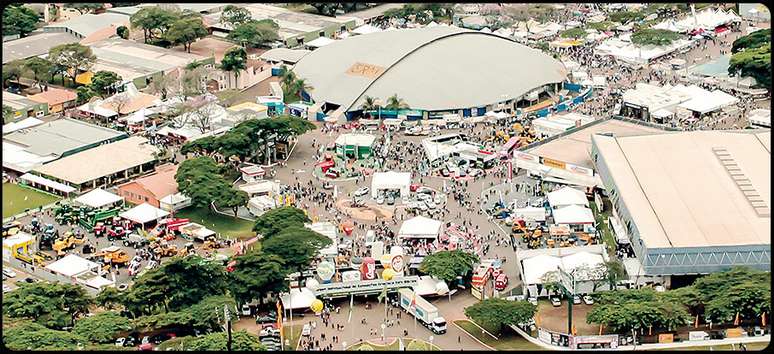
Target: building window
(322,33)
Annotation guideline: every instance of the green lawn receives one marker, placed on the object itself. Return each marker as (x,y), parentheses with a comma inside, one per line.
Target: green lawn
(607,234)
(227,226)
(17,198)
(750,346)
(510,340)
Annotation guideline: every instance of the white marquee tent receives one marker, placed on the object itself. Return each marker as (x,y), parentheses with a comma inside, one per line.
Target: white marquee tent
(573,215)
(566,196)
(72,265)
(420,227)
(391,180)
(297,298)
(98,198)
(144,213)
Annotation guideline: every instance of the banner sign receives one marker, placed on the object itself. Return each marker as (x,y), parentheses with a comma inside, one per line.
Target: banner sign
(579,170)
(526,157)
(368,269)
(365,286)
(553,163)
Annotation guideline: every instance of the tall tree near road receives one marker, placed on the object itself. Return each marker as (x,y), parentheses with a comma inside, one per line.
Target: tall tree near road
(255,34)
(275,220)
(41,69)
(102,327)
(52,305)
(496,313)
(256,274)
(395,103)
(19,19)
(154,21)
(103,82)
(297,245)
(231,198)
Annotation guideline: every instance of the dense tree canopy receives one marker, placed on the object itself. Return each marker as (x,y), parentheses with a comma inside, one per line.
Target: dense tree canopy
(752,57)
(623,310)
(447,265)
(740,289)
(154,21)
(33,336)
(756,39)
(297,245)
(234,15)
(41,69)
(255,33)
(185,31)
(496,312)
(102,327)
(103,83)
(84,7)
(52,305)
(575,33)
(73,57)
(256,274)
(240,341)
(234,60)
(19,19)
(658,37)
(274,221)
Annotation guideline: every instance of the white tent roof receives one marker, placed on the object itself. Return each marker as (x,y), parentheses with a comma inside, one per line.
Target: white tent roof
(19,238)
(420,227)
(573,214)
(320,42)
(427,285)
(366,29)
(22,124)
(582,261)
(297,298)
(144,213)
(47,182)
(264,186)
(713,101)
(355,139)
(98,282)
(173,199)
(98,198)
(72,265)
(391,180)
(139,116)
(535,267)
(567,196)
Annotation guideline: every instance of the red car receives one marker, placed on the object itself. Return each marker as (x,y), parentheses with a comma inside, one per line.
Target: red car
(146,347)
(414,186)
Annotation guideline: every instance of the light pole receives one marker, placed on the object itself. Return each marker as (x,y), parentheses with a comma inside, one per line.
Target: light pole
(383,326)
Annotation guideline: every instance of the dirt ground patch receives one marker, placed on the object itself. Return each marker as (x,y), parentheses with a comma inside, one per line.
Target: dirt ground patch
(367,212)
(555,318)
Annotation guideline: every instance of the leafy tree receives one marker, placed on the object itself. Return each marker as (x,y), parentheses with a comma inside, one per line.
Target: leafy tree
(103,327)
(33,336)
(234,60)
(447,265)
(234,15)
(7,114)
(613,272)
(753,40)
(297,245)
(255,33)
(231,198)
(85,93)
(41,70)
(626,16)
(206,315)
(754,62)
(395,103)
(256,274)
(176,285)
(370,104)
(109,298)
(326,8)
(496,313)
(85,7)
(274,221)
(203,146)
(575,33)
(18,19)
(186,31)
(154,21)
(13,71)
(103,82)
(52,305)
(240,341)
(193,167)
(123,32)
(623,310)
(657,37)
(740,289)
(73,57)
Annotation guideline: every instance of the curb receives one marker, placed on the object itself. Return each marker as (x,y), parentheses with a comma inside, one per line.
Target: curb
(472,336)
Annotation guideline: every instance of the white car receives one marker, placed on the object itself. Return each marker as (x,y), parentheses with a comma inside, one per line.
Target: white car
(246,310)
(576,300)
(515,298)
(9,273)
(361,191)
(659,288)
(556,301)
(380,199)
(588,300)
(533,300)
(6,288)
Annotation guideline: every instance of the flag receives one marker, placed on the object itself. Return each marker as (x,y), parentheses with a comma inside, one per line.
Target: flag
(382,295)
(351,304)
(414,300)
(736,321)
(696,324)
(763,319)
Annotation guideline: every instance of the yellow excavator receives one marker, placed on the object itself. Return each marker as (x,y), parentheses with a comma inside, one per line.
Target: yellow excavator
(67,242)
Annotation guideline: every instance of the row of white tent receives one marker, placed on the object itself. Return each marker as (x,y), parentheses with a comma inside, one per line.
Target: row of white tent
(708,19)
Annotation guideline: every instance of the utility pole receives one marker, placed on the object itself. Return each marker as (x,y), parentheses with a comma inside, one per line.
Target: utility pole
(227,316)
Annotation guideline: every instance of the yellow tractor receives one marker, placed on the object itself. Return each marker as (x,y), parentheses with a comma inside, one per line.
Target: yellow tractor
(68,241)
(113,255)
(165,250)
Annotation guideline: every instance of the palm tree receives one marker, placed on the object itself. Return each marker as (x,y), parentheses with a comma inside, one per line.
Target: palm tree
(371,104)
(395,103)
(300,85)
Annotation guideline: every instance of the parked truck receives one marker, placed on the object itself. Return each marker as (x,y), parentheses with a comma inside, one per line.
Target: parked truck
(425,312)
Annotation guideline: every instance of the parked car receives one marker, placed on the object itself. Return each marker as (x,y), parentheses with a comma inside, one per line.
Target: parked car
(588,300)
(390,200)
(136,241)
(576,300)
(157,339)
(6,288)
(246,310)
(533,301)
(30,280)
(515,298)
(9,273)
(556,302)
(380,199)
(265,319)
(361,191)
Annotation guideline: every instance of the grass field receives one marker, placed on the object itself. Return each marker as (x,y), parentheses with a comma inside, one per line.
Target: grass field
(225,225)
(17,198)
(607,234)
(296,334)
(510,340)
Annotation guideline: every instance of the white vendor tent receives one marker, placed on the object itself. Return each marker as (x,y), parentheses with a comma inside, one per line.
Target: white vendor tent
(98,282)
(144,213)
(391,180)
(536,266)
(174,202)
(566,196)
(320,42)
(260,187)
(72,265)
(714,101)
(573,215)
(98,198)
(430,286)
(530,213)
(22,124)
(260,204)
(760,117)
(297,299)
(366,29)
(584,264)
(420,227)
